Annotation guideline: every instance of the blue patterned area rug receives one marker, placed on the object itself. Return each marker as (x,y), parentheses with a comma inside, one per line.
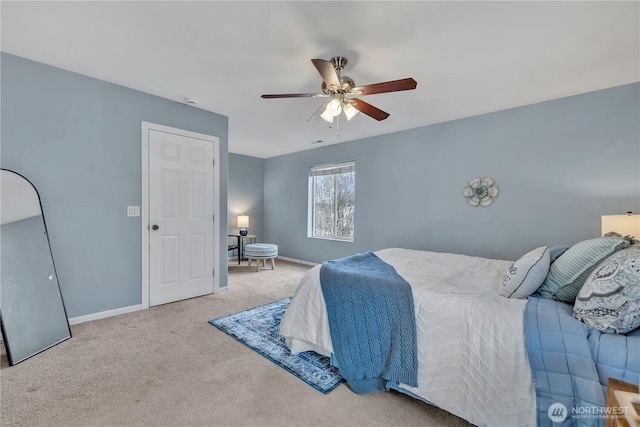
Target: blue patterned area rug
(258,329)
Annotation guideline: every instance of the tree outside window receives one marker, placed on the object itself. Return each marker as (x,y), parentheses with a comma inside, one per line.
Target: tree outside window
(332,204)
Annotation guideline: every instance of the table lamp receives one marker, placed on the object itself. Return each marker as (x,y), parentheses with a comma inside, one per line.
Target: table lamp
(625,225)
(243,223)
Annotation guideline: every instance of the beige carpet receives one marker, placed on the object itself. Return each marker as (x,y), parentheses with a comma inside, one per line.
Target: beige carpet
(167,366)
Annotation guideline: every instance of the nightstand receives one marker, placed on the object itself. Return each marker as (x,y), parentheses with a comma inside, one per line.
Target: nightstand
(612,402)
(241,239)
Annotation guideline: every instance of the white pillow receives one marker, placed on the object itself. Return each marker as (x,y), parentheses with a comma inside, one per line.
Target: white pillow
(526,275)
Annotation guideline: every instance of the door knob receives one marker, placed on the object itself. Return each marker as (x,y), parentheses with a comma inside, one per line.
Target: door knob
(154,227)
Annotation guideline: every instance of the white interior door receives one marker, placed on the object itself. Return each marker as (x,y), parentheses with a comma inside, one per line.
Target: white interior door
(181,217)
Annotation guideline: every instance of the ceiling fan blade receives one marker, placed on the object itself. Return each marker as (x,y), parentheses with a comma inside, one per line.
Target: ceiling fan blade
(328,73)
(319,111)
(293,95)
(369,109)
(391,86)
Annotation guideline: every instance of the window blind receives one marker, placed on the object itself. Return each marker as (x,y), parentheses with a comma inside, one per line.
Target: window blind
(332,169)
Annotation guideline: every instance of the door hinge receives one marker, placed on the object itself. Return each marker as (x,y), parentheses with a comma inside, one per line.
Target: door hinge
(214,272)
(214,163)
(214,217)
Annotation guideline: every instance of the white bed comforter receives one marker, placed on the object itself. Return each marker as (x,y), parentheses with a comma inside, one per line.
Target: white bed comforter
(472,359)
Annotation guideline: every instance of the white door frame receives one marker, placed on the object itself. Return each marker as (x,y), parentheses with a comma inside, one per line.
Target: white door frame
(146,127)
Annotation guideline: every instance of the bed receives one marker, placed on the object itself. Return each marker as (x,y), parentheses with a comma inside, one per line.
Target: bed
(488,359)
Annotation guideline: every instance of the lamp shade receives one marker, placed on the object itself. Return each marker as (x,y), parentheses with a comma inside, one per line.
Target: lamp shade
(327,117)
(349,110)
(333,108)
(625,225)
(243,221)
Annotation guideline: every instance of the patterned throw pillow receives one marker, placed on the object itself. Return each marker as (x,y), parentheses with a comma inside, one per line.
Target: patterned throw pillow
(526,275)
(570,271)
(610,298)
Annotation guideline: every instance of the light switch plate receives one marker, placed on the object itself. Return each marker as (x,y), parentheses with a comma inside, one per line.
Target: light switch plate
(133,210)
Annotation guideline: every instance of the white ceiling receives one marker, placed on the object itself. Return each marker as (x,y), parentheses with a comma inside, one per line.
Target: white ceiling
(468,58)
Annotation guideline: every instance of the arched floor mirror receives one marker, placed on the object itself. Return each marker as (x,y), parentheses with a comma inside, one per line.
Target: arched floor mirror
(32,311)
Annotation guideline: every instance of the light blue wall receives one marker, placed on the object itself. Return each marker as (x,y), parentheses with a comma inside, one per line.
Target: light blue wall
(559,166)
(78,140)
(246,193)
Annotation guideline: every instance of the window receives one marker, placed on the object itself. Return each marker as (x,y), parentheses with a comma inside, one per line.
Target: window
(332,194)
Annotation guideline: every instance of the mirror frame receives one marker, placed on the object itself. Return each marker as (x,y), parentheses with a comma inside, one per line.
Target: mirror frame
(6,335)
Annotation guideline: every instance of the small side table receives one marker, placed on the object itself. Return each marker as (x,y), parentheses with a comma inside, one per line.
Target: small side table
(612,402)
(251,237)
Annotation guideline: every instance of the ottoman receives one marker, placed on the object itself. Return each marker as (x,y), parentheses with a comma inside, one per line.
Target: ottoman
(261,252)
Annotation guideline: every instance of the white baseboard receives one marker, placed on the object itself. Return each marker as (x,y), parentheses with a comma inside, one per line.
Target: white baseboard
(299,261)
(137,307)
(104,314)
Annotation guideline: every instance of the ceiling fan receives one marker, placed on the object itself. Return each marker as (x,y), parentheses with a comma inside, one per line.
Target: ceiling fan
(342,90)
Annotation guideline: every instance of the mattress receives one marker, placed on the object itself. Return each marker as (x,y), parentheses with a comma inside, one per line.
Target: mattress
(472,359)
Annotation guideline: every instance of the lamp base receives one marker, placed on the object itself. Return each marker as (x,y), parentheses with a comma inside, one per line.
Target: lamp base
(243,232)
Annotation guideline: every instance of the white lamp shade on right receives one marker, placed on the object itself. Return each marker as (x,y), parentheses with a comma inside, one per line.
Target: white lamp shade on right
(625,225)
(349,110)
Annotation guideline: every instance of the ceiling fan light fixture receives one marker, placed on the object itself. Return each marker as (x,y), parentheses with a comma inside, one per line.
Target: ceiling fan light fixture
(341,90)
(326,116)
(333,108)
(349,110)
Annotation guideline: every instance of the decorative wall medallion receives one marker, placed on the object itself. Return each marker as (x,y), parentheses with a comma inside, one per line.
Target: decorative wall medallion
(481,191)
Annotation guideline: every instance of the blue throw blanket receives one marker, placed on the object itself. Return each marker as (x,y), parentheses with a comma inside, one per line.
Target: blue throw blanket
(372,322)
(571,363)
